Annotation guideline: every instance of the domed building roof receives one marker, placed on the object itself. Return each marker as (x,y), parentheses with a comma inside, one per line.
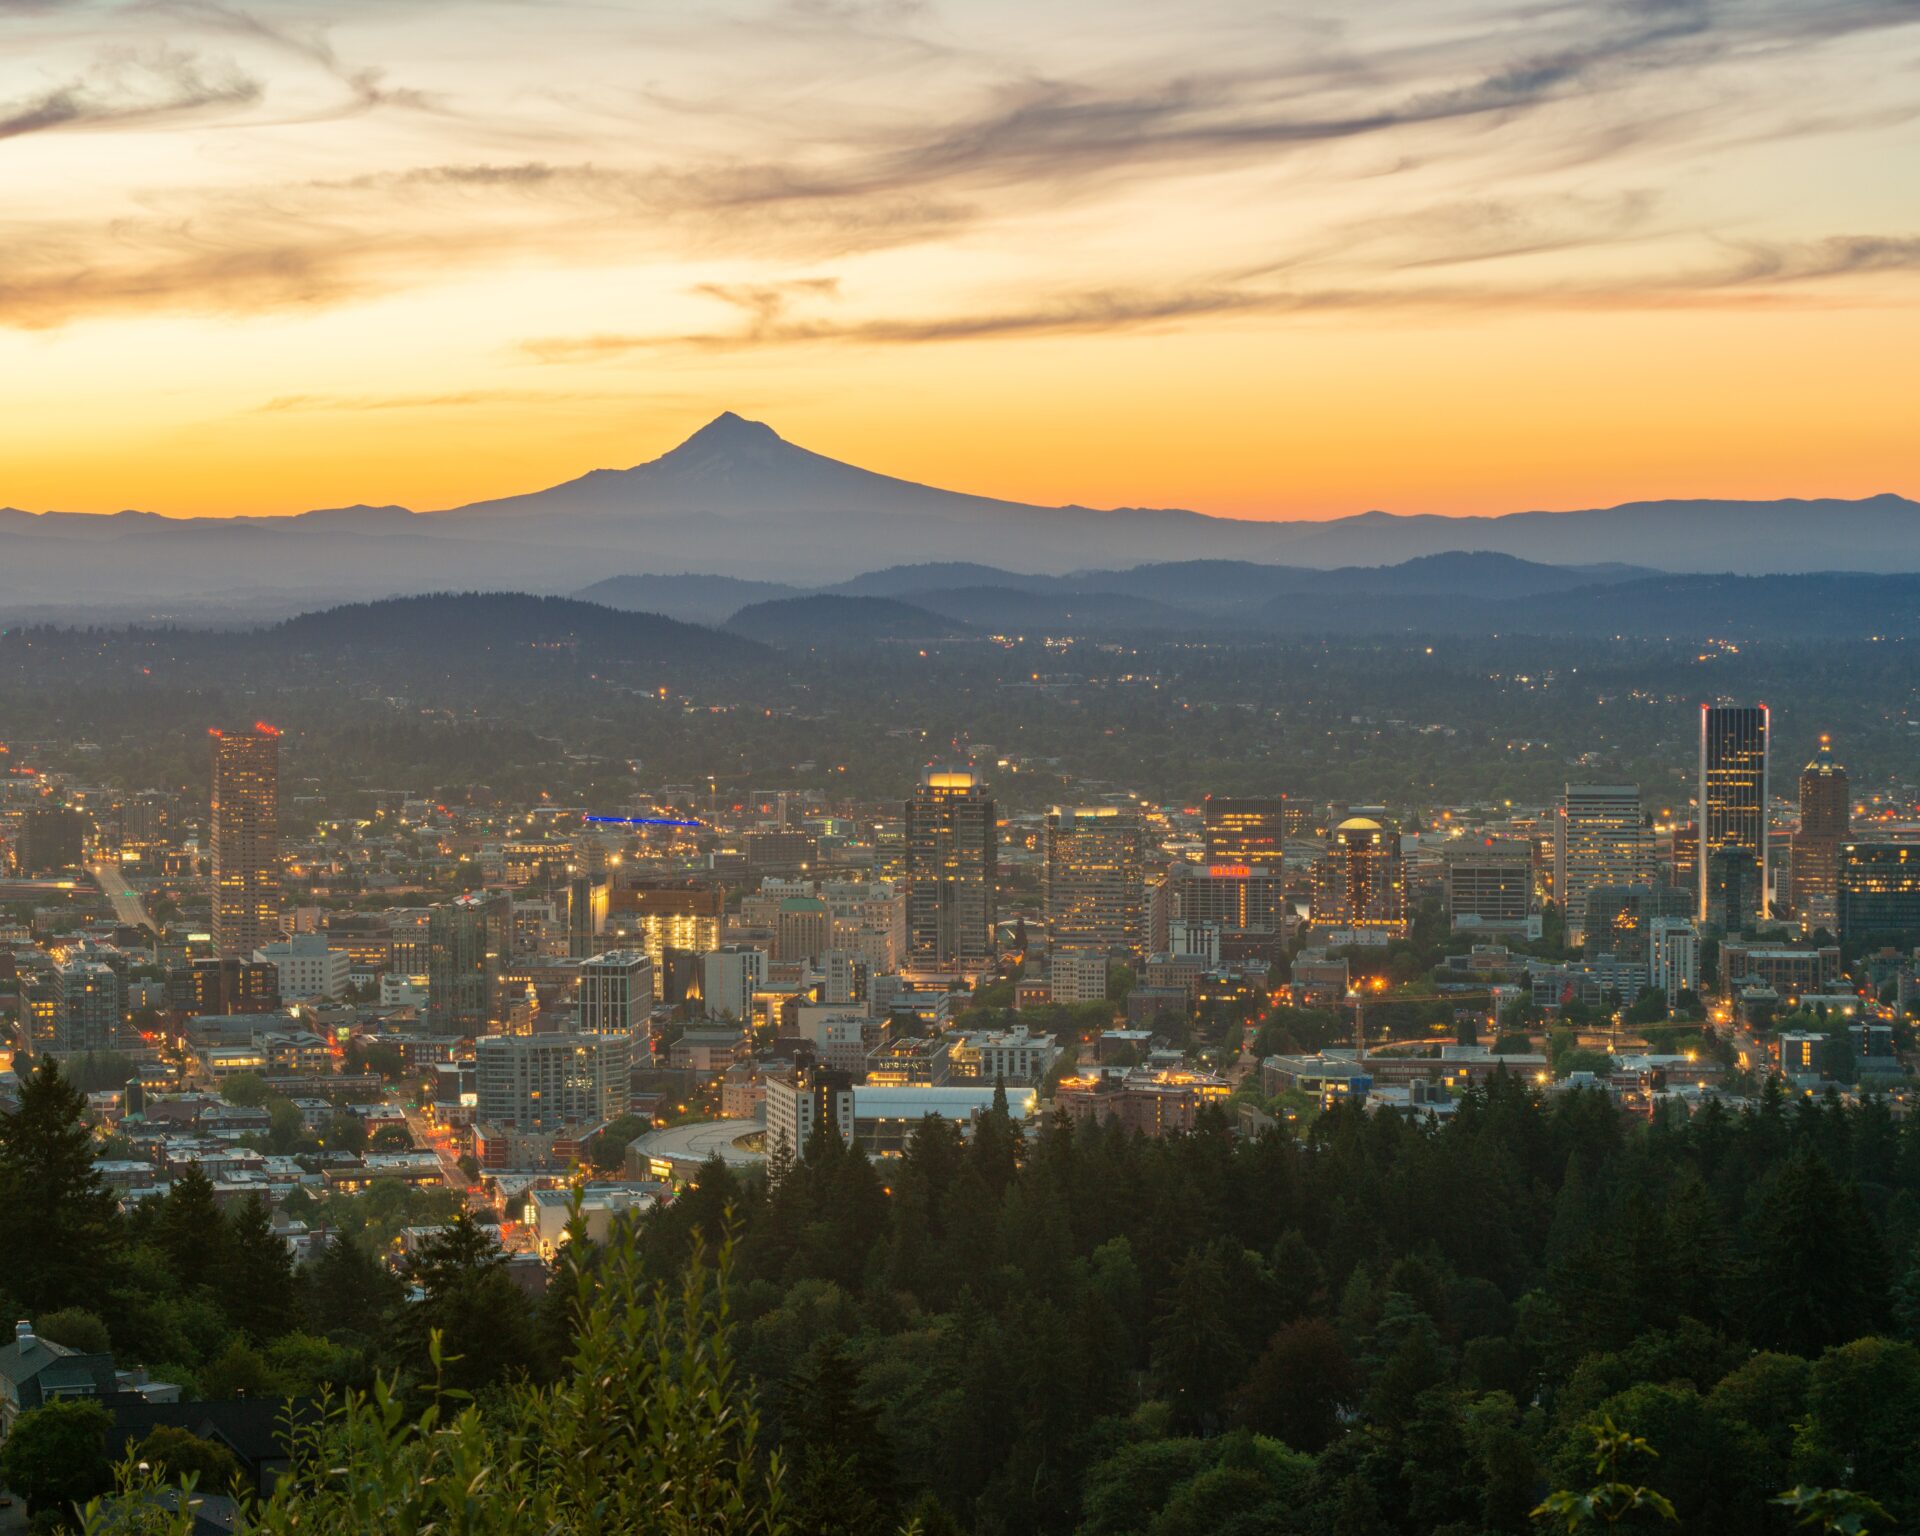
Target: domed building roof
(1358,824)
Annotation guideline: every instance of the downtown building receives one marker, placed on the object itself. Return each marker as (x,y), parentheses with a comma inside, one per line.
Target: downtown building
(467,947)
(1488,883)
(616,994)
(1095,879)
(1602,841)
(245,817)
(1826,823)
(533,1084)
(1879,892)
(1734,791)
(951,875)
(1359,884)
(1244,829)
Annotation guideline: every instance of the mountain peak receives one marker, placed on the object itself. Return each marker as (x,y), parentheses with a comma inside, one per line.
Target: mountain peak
(729,429)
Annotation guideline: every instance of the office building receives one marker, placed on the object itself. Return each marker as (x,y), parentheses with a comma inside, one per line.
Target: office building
(951,875)
(1734,790)
(1602,840)
(782,852)
(246,839)
(1673,956)
(802,930)
(1879,894)
(1488,882)
(305,967)
(846,979)
(90,1005)
(466,948)
(1242,829)
(1095,878)
(529,1083)
(1618,917)
(1791,970)
(1358,883)
(586,899)
(616,994)
(658,915)
(1240,898)
(730,978)
(223,986)
(1013,1056)
(52,838)
(1077,976)
(1826,822)
(804,1101)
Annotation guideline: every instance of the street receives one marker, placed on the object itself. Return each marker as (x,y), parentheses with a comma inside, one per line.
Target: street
(127,905)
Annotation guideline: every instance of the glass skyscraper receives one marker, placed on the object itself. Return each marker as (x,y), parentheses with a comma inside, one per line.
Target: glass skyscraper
(1734,790)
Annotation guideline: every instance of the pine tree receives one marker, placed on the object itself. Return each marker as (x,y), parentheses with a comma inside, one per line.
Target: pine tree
(842,1465)
(59,1222)
(256,1286)
(190,1232)
(348,1291)
(1820,1273)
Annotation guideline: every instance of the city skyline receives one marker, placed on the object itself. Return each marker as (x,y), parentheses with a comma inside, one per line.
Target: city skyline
(1268,266)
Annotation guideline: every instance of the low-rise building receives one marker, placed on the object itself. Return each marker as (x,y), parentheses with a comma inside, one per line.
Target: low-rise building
(1152,1103)
(1009,1056)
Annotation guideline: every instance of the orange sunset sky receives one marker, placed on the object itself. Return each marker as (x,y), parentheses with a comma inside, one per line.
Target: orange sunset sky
(1264,260)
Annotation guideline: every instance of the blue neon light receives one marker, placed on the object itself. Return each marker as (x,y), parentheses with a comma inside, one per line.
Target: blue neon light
(642,821)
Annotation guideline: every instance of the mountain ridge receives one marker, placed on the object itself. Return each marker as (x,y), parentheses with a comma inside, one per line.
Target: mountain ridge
(736,499)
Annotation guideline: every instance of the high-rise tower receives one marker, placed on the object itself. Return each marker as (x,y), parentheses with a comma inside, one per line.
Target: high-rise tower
(951,874)
(1734,789)
(1826,821)
(1603,840)
(246,841)
(1359,881)
(1096,878)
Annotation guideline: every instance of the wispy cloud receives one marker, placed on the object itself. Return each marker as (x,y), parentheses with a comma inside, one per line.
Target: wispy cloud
(129,87)
(1743,277)
(884,126)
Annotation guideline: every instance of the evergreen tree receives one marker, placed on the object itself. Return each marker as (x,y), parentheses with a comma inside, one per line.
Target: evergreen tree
(1298,1386)
(483,1319)
(256,1285)
(60,1222)
(189,1230)
(345,1290)
(841,1465)
(1819,1274)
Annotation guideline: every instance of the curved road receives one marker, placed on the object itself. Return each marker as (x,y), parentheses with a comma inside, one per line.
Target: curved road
(127,905)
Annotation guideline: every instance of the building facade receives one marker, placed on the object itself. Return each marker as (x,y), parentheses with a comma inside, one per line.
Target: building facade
(306,967)
(245,817)
(1734,790)
(1488,882)
(951,875)
(616,994)
(1243,829)
(531,1083)
(1359,884)
(466,948)
(1602,840)
(1095,878)
(1826,823)
(1880,891)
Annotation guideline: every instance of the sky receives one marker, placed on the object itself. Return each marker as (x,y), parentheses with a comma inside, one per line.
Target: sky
(1259,260)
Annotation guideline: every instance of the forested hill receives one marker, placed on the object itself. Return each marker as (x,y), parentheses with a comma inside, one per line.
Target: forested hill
(1380,1328)
(479,623)
(1386,1329)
